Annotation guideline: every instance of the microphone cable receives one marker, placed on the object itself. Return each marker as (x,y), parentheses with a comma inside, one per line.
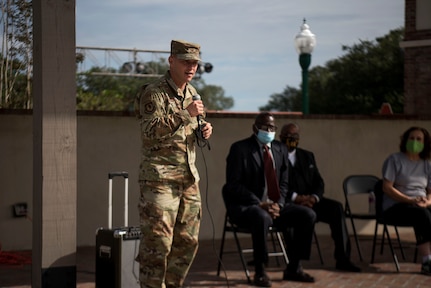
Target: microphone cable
(200,140)
(210,215)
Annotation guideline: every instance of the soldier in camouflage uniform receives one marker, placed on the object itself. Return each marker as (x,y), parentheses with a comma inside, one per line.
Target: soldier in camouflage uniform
(170,202)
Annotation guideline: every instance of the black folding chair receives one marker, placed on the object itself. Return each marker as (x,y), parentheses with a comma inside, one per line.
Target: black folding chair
(381,220)
(276,238)
(356,185)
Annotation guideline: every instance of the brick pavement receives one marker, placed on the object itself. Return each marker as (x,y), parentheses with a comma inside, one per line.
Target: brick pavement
(203,271)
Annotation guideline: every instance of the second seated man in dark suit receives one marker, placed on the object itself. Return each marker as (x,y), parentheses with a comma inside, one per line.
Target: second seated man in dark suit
(256,202)
(306,188)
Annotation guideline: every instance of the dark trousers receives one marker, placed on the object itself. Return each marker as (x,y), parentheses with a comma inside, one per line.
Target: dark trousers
(419,218)
(331,212)
(300,218)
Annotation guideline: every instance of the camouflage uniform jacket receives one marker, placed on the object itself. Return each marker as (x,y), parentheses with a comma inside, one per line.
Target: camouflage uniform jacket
(167,132)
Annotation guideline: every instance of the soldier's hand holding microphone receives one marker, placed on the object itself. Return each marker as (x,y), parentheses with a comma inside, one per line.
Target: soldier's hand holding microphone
(196,109)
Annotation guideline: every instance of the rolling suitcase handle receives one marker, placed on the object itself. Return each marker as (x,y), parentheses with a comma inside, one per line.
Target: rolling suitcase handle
(125,175)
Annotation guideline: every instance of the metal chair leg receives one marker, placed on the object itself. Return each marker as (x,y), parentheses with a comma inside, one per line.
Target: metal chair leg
(382,244)
(221,248)
(318,247)
(399,243)
(374,243)
(244,264)
(356,239)
(394,256)
(235,230)
(274,248)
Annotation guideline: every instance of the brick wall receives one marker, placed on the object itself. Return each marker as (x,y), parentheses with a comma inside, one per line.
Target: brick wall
(417,64)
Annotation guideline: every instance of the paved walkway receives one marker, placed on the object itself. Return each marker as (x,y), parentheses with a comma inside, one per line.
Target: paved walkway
(203,271)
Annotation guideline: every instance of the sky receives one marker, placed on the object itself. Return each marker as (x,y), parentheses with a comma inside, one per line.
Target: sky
(250,43)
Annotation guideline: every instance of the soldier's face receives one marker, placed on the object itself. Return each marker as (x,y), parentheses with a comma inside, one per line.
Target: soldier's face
(182,71)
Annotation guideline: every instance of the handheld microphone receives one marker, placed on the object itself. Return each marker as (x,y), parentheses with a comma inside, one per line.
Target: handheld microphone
(195,98)
(202,142)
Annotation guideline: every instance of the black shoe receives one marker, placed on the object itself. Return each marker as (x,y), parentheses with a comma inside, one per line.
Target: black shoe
(300,276)
(347,266)
(426,268)
(262,280)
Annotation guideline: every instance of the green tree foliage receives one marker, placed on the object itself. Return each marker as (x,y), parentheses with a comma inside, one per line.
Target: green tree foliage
(369,74)
(100,88)
(16,57)
(103,89)
(212,95)
(288,100)
(99,91)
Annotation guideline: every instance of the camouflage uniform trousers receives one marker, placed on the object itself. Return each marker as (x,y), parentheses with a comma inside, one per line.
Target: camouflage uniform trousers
(170,215)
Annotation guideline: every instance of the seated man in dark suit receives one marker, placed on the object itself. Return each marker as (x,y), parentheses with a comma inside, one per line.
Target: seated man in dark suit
(256,201)
(306,188)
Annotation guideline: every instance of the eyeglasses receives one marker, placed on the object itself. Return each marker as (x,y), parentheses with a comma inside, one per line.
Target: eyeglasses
(269,128)
(292,136)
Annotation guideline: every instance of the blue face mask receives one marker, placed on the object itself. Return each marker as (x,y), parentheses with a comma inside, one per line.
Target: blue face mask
(265,137)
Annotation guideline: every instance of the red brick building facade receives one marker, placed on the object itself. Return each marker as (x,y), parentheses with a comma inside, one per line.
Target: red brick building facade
(417,57)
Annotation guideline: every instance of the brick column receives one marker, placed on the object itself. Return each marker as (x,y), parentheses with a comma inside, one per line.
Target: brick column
(417,59)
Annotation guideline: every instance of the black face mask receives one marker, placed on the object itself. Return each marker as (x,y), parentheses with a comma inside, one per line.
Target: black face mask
(292,143)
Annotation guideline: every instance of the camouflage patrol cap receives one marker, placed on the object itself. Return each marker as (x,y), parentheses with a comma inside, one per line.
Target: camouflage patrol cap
(185,50)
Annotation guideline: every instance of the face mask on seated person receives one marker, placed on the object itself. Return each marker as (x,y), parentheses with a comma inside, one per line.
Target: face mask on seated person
(292,143)
(265,137)
(414,146)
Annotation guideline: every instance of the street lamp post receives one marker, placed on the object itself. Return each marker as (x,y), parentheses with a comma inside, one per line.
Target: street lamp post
(304,44)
